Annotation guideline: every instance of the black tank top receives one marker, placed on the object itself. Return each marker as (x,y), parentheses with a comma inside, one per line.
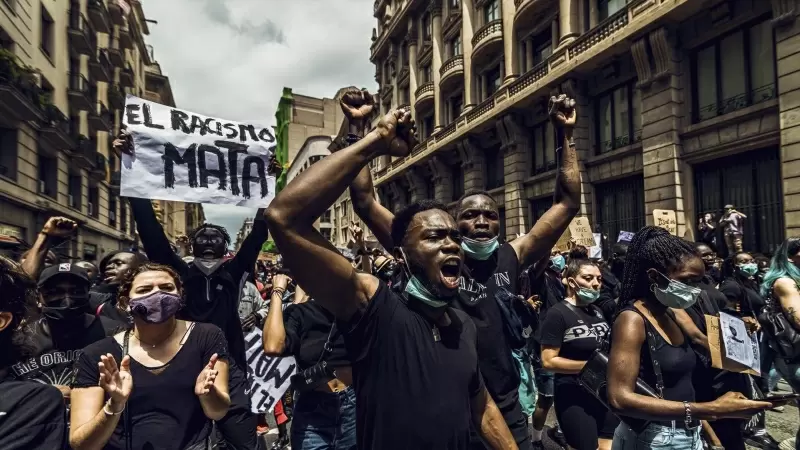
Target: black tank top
(677,364)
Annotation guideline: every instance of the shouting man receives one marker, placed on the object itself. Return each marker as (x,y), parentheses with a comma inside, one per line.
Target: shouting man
(494,267)
(411,351)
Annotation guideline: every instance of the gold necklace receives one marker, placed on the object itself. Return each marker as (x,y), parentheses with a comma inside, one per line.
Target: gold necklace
(174,327)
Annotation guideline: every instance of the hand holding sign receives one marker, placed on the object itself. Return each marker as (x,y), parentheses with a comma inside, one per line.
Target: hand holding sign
(205,381)
(123,144)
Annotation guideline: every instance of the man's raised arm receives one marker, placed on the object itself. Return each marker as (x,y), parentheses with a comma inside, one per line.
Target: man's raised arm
(566,200)
(314,262)
(367,207)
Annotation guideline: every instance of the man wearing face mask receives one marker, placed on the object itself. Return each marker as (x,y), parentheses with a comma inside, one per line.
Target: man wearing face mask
(65,327)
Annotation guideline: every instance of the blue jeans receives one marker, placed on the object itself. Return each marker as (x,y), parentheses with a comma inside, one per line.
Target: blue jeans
(324,421)
(656,436)
(790,373)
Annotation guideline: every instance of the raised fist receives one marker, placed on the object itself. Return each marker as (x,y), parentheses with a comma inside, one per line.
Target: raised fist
(563,113)
(357,104)
(398,132)
(59,227)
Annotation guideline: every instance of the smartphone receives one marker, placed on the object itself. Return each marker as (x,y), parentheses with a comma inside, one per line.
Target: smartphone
(781,398)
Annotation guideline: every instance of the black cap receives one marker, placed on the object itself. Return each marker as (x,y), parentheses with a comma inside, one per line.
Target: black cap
(63,269)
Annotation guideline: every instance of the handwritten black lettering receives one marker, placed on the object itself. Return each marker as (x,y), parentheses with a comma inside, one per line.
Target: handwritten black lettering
(148,118)
(207,128)
(234,150)
(265,135)
(172,156)
(197,124)
(131,114)
(231,129)
(275,374)
(178,119)
(251,130)
(219,173)
(247,176)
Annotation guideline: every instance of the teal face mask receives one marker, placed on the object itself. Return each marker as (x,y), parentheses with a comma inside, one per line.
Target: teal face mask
(415,288)
(558,263)
(587,296)
(480,250)
(677,295)
(749,269)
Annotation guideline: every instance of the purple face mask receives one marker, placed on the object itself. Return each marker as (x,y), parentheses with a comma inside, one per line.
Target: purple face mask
(157,307)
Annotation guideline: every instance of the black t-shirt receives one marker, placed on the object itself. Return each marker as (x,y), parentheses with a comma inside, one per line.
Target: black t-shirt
(749,301)
(165,413)
(412,391)
(477,297)
(55,356)
(32,417)
(307,328)
(710,302)
(577,332)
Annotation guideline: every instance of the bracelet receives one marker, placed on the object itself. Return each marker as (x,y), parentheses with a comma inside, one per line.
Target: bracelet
(108,412)
(279,292)
(688,410)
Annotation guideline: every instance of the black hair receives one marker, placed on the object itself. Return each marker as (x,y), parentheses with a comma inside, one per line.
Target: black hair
(404,217)
(619,248)
(138,259)
(729,265)
(471,193)
(651,248)
(578,252)
(697,246)
(19,298)
(574,266)
(211,226)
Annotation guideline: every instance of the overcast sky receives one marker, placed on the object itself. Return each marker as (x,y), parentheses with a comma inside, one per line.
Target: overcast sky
(232,58)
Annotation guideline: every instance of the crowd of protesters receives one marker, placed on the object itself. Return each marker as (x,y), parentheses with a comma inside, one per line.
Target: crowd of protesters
(448,339)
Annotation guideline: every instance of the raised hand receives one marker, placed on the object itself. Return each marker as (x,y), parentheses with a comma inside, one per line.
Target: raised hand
(281,281)
(205,381)
(563,113)
(123,143)
(357,104)
(59,227)
(117,382)
(398,131)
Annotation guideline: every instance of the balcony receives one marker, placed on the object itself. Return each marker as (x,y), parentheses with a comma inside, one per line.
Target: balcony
(81,37)
(116,13)
(451,72)
(487,42)
(115,54)
(99,171)
(84,152)
(80,93)
(101,119)
(19,93)
(125,38)
(423,96)
(55,128)
(116,98)
(530,12)
(115,181)
(126,77)
(100,67)
(99,17)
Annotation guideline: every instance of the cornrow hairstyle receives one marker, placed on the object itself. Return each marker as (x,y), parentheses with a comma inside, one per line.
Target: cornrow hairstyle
(651,248)
(219,228)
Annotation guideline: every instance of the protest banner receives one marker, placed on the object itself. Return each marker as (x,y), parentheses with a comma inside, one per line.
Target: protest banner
(268,377)
(183,156)
(718,350)
(667,219)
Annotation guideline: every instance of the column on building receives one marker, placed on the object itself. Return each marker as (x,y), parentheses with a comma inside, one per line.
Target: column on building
(467,30)
(394,67)
(583,142)
(472,160)
(442,179)
(436,62)
(413,66)
(662,102)
(569,20)
(416,184)
(514,145)
(508,10)
(787,39)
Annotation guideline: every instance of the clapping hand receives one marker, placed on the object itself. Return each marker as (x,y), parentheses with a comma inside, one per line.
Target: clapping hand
(117,382)
(205,381)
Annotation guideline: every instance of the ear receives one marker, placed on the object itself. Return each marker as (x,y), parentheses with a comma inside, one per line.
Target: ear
(6,319)
(655,278)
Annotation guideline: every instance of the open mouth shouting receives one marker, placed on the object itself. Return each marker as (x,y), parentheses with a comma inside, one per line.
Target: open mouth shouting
(481,235)
(450,272)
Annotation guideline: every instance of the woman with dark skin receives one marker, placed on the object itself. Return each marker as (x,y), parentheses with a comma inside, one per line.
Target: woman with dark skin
(660,273)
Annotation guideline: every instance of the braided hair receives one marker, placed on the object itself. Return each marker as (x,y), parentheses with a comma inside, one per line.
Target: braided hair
(651,248)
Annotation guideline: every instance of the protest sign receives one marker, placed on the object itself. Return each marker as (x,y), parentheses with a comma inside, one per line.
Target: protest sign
(596,251)
(183,156)
(667,219)
(268,377)
(625,236)
(579,232)
(719,359)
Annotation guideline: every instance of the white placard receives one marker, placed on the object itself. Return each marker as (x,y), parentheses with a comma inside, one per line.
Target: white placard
(183,156)
(267,377)
(738,344)
(596,251)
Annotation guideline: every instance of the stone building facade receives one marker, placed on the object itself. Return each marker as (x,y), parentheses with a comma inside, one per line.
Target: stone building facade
(684,105)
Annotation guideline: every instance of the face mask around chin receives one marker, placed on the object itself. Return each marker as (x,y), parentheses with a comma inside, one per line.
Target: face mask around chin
(416,289)
(677,295)
(480,250)
(157,307)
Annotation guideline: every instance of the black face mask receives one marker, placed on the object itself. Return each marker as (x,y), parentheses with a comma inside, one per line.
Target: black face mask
(208,266)
(80,306)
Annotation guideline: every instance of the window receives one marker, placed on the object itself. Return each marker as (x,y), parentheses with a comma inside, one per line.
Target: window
(47,34)
(326,217)
(427,126)
(94,201)
(618,118)
(620,207)
(454,5)
(427,74)
(89,252)
(534,50)
(538,207)
(607,8)
(8,153)
(458,181)
(123,217)
(48,176)
(455,46)
(404,96)
(112,211)
(491,11)
(734,71)
(427,26)
(544,148)
(492,81)
(403,54)
(74,190)
(494,166)
(454,106)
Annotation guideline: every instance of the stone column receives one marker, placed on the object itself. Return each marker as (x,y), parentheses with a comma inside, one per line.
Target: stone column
(472,160)
(413,69)
(467,31)
(594,15)
(436,62)
(568,17)
(787,36)
(510,47)
(583,142)
(662,113)
(515,146)
(528,56)
(394,67)
(416,184)
(442,180)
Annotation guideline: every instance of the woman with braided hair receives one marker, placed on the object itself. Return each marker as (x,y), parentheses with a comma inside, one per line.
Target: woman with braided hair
(660,278)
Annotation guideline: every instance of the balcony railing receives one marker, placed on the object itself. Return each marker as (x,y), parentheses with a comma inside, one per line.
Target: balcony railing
(56,128)
(451,63)
(82,36)
(99,16)
(20,95)
(736,103)
(79,83)
(423,89)
(126,77)
(116,98)
(494,26)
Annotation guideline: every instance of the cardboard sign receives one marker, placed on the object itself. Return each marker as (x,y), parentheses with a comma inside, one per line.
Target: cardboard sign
(716,347)
(667,219)
(579,232)
(183,156)
(268,377)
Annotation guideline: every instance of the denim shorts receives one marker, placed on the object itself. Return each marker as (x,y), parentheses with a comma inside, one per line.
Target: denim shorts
(545,382)
(656,436)
(324,421)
